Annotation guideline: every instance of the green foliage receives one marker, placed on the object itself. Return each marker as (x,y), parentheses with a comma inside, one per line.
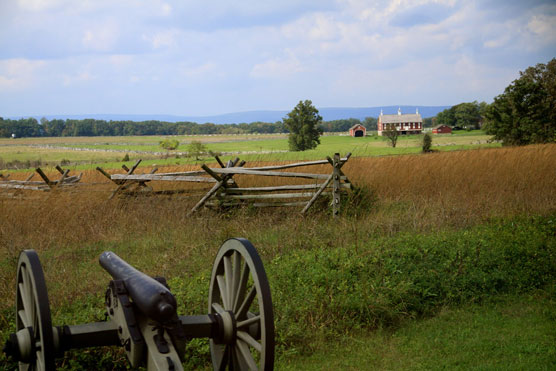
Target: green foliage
(391,134)
(464,115)
(196,149)
(382,281)
(427,142)
(126,158)
(302,122)
(169,144)
(526,112)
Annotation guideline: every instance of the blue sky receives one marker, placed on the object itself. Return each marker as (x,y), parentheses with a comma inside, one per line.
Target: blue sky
(214,56)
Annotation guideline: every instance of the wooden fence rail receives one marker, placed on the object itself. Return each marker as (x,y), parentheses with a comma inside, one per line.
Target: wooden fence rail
(225,191)
(46,184)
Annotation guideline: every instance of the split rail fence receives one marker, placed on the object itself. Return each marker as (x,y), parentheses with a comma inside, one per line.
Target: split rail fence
(46,184)
(226,192)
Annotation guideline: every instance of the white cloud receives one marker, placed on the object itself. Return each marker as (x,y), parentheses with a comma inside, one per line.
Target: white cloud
(19,74)
(277,68)
(543,26)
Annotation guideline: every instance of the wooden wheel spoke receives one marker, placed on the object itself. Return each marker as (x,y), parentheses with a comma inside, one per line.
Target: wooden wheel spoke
(246,355)
(249,340)
(27,295)
(242,311)
(248,322)
(221,353)
(242,287)
(229,282)
(23,316)
(222,287)
(236,276)
(218,308)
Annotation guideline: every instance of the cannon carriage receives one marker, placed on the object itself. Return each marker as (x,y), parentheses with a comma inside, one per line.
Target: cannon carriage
(143,316)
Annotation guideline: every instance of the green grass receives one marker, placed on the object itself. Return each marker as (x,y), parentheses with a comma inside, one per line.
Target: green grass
(507,333)
(324,293)
(249,148)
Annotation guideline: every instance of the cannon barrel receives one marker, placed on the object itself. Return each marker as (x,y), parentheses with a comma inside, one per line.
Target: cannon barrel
(151,297)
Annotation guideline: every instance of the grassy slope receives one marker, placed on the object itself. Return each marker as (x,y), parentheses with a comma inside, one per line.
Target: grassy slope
(515,333)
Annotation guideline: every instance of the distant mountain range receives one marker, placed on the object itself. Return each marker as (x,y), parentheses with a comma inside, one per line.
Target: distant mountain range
(327,113)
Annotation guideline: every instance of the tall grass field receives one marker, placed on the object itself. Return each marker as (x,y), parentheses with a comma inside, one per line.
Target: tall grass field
(427,245)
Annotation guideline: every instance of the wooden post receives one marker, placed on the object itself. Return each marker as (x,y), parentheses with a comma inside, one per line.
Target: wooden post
(44,177)
(64,175)
(336,185)
(122,184)
(219,162)
(317,193)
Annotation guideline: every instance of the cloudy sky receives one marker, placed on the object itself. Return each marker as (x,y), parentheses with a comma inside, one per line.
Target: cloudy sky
(217,56)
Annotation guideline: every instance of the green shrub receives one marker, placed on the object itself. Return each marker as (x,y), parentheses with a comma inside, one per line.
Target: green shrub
(169,144)
(322,290)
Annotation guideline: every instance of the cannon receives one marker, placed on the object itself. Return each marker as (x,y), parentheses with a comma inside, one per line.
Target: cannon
(142,316)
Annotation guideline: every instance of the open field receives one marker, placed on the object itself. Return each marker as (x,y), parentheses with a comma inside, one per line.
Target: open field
(427,234)
(84,153)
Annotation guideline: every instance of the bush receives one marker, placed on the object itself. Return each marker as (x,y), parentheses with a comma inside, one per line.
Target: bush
(126,157)
(427,142)
(169,144)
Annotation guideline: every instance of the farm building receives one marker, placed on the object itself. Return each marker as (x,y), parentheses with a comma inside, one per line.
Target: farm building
(442,129)
(406,124)
(358,130)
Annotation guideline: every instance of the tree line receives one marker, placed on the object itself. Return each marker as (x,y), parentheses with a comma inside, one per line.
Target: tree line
(31,127)
(524,113)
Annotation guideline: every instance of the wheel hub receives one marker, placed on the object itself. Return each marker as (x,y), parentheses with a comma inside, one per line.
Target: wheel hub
(20,346)
(227,327)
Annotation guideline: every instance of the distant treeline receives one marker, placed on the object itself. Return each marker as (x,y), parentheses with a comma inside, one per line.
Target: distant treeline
(30,127)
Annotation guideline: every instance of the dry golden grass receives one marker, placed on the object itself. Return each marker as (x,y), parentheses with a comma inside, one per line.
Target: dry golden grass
(420,193)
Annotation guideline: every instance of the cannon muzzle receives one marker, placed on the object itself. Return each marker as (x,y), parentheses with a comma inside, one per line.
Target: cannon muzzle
(151,297)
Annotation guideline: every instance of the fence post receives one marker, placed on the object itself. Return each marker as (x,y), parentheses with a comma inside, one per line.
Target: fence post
(336,185)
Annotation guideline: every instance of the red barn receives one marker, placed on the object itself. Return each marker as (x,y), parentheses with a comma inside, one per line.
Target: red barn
(442,129)
(358,130)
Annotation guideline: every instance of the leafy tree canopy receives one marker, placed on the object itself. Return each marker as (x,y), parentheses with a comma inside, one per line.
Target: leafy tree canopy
(526,112)
(302,122)
(464,115)
(391,134)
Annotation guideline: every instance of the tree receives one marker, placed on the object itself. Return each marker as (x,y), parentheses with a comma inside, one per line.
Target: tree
(196,149)
(391,134)
(463,115)
(526,112)
(467,115)
(302,123)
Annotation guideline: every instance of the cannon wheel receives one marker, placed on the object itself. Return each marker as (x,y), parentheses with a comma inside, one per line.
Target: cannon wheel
(240,293)
(33,311)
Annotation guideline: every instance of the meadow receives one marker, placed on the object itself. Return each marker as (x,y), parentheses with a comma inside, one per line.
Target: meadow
(439,260)
(89,152)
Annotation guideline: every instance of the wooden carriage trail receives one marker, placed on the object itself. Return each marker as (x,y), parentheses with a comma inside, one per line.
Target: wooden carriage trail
(226,193)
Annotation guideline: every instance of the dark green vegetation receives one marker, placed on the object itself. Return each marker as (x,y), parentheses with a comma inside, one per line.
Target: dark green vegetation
(526,112)
(302,123)
(427,142)
(30,127)
(506,333)
(467,116)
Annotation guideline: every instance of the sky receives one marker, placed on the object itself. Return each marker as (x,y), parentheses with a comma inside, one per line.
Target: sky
(212,57)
